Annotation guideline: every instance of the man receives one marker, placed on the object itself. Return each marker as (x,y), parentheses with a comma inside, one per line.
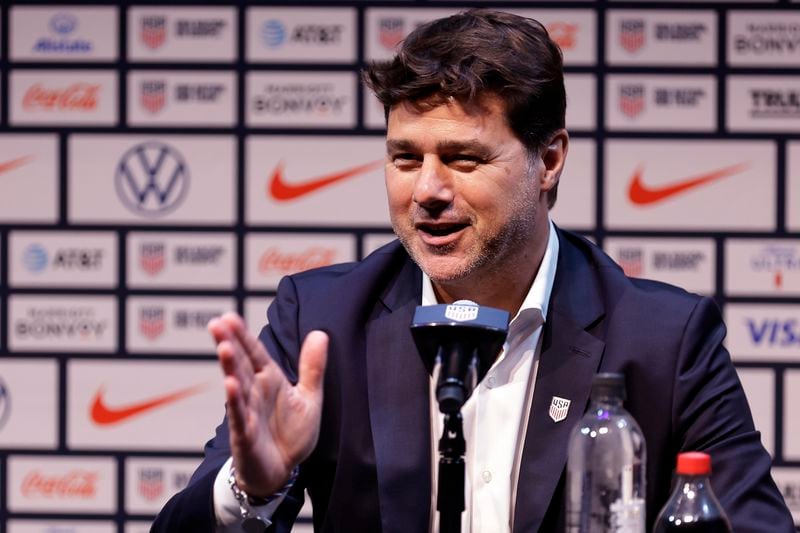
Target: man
(475,148)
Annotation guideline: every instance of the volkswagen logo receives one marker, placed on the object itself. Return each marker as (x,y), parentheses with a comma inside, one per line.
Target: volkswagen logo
(5,403)
(63,23)
(152,179)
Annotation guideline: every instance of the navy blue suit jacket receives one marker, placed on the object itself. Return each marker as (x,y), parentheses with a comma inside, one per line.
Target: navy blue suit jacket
(371,470)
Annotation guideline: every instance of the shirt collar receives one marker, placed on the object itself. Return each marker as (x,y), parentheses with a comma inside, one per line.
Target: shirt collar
(538,297)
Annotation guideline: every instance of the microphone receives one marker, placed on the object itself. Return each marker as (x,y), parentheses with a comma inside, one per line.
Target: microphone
(459,343)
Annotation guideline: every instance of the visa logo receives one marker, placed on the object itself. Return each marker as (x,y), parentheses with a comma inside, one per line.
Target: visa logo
(773,332)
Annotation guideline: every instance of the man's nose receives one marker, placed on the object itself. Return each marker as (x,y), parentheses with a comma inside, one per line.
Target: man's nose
(433,186)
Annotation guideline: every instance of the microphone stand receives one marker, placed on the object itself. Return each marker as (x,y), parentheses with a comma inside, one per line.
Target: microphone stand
(450,495)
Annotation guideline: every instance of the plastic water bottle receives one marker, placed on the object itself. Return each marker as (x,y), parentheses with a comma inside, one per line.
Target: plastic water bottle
(692,505)
(606,465)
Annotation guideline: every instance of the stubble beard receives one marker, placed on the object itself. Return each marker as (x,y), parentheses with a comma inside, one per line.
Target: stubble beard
(490,255)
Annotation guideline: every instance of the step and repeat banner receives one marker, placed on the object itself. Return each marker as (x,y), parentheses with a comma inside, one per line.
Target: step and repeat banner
(162,164)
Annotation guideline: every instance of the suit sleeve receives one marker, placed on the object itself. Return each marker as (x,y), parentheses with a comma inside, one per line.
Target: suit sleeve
(192,509)
(711,414)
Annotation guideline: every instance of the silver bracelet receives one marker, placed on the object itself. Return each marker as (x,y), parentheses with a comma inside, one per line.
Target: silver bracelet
(253,522)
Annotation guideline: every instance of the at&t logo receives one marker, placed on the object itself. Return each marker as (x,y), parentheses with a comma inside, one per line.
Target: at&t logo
(35,258)
(152,179)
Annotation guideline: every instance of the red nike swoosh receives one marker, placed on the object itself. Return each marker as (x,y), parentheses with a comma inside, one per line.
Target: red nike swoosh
(11,164)
(283,192)
(641,194)
(104,415)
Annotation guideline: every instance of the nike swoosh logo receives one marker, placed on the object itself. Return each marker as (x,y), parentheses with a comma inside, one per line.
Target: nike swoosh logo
(641,194)
(284,192)
(11,164)
(103,415)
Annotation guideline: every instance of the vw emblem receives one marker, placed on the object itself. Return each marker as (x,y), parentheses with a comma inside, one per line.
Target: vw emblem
(5,403)
(63,23)
(152,179)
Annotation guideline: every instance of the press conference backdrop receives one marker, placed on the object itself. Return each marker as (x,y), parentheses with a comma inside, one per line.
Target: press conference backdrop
(162,164)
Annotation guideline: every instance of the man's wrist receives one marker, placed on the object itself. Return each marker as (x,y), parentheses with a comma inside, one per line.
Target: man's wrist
(247,500)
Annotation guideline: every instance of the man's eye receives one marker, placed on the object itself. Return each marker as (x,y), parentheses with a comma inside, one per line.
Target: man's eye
(464,161)
(404,159)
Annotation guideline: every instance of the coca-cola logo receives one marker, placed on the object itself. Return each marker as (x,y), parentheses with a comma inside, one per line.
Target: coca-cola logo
(274,260)
(81,484)
(75,97)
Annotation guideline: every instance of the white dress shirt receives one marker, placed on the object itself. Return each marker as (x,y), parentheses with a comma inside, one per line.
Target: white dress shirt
(496,415)
(495,420)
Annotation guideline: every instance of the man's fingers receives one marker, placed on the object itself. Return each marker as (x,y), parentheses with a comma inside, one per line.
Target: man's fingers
(237,410)
(251,345)
(313,358)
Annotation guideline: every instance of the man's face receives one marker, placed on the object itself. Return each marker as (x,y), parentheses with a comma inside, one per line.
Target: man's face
(465,196)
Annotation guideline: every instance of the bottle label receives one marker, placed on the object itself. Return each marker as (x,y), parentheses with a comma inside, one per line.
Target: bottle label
(628,516)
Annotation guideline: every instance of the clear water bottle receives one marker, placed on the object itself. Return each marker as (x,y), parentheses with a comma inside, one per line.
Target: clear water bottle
(692,505)
(606,465)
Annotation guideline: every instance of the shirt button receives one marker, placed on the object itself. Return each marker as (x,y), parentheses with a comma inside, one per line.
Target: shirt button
(491,382)
(487,476)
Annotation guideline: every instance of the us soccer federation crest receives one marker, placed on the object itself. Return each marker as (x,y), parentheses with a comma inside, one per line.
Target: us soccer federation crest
(559,407)
(461,312)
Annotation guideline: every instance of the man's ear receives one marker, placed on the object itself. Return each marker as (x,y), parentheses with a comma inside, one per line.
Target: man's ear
(553,155)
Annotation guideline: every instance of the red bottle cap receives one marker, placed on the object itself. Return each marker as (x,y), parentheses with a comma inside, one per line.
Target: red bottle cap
(694,464)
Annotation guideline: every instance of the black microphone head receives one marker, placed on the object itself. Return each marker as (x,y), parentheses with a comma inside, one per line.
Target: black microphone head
(465,339)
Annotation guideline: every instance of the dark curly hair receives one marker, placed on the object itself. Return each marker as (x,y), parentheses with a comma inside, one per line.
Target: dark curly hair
(476,52)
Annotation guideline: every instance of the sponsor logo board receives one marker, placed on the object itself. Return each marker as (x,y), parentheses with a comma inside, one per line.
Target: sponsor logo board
(687,263)
(173,324)
(763,332)
(164,98)
(62,484)
(64,34)
(574,30)
(150,482)
(793,185)
(301,35)
(137,526)
(74,97)
(272,256)
(62,259)
(28,391)
(661,37)
(763,103)
(181,260)
(62,324)
(24,525)
(788,481)
(763,267)
(297,99)
(581,101)
(28,178)
(758,384)
(661,102)
(182,33)
(151,179)
(690,185)
(763,39)
(575,208)
(133,405)
(791,417)
(285,186)
(255,312)
(385,28)
(374,117)
(372,241)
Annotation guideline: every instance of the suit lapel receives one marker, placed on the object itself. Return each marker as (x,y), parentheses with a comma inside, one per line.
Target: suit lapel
(569,358)
(398,392)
